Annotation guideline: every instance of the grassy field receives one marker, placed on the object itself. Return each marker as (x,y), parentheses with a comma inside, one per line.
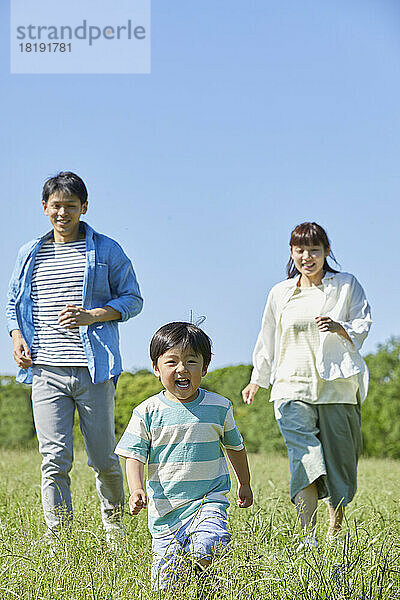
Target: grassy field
(262,561)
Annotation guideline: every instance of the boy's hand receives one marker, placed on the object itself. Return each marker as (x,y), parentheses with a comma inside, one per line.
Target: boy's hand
(21,353)
(137,501)
(245,496)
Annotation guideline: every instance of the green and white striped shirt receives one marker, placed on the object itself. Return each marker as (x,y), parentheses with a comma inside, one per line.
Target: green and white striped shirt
(182,444)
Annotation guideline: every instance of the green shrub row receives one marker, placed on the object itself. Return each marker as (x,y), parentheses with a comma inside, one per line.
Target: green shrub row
(380,412)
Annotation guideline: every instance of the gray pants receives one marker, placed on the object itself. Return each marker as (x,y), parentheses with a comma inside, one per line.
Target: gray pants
(56,392)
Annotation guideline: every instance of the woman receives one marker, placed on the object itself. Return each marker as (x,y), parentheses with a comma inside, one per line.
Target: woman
(312,330)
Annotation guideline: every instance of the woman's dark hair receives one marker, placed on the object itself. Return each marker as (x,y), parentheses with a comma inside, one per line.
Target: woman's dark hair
(183,335)
(65,184)
(309,234)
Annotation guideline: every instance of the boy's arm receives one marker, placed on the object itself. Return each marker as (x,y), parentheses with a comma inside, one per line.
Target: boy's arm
(238,460)
(135,476)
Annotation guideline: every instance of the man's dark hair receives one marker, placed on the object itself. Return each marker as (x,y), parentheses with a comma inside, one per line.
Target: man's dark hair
(65,184)
(183,335)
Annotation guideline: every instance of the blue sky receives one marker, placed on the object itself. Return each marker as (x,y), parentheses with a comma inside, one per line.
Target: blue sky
(256,116)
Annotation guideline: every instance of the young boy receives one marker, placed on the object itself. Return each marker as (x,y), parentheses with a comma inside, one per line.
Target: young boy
(68,291)
(180,433)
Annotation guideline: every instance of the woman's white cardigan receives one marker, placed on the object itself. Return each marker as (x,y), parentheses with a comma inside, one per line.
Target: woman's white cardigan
(345,302)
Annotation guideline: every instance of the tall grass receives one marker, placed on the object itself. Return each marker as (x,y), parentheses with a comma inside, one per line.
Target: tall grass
(262,561)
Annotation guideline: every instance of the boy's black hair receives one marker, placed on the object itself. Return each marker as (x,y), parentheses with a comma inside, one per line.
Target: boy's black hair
(65,183)
(183,335)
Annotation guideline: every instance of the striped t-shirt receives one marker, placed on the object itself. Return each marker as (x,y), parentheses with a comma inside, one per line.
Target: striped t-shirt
(57,280)
(182,444)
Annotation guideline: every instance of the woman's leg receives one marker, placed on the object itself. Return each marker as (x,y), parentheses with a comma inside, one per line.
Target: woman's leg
(306,505)
(340,432)
(298,422)
(335,520)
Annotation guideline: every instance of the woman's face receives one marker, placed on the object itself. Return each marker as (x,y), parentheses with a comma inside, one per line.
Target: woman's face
(309,260)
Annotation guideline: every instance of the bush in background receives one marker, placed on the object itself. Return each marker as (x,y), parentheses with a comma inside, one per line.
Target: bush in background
(380,412)
(16,421)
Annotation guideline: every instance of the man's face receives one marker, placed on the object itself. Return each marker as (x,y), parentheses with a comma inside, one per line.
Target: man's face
(64,213)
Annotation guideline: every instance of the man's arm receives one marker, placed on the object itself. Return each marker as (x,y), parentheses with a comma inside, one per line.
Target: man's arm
(126,301)
(77,316)
(21,352)
(135,476)
(14,288)
(126,296)
(238,460)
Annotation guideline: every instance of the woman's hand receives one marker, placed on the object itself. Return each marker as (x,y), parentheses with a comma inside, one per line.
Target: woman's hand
(327,325)
(249,392)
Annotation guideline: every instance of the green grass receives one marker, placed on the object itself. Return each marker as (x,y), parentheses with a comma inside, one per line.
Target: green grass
(262,561)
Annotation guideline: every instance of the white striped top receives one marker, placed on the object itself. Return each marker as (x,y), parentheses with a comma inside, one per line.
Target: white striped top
(57,280)
(297,376)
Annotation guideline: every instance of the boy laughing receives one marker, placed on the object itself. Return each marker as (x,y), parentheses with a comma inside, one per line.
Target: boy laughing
(180,433)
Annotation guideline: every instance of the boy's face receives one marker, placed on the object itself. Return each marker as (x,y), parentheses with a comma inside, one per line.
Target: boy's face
(180,371)
(64,213)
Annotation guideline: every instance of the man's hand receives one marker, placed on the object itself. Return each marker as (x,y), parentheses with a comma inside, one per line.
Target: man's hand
(21,352)
(137,501)
(245,496)
(75,316)
(249,392)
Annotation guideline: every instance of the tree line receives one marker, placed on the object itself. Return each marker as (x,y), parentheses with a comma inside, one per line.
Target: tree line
(380,412)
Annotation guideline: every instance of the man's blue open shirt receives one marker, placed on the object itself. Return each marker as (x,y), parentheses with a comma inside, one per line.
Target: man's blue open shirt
(109,279)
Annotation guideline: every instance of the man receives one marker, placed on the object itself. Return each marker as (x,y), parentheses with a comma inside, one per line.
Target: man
(67,293)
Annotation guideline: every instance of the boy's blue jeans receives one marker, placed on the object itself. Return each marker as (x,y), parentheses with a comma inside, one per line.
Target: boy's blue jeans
(56,392)
(203,536)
